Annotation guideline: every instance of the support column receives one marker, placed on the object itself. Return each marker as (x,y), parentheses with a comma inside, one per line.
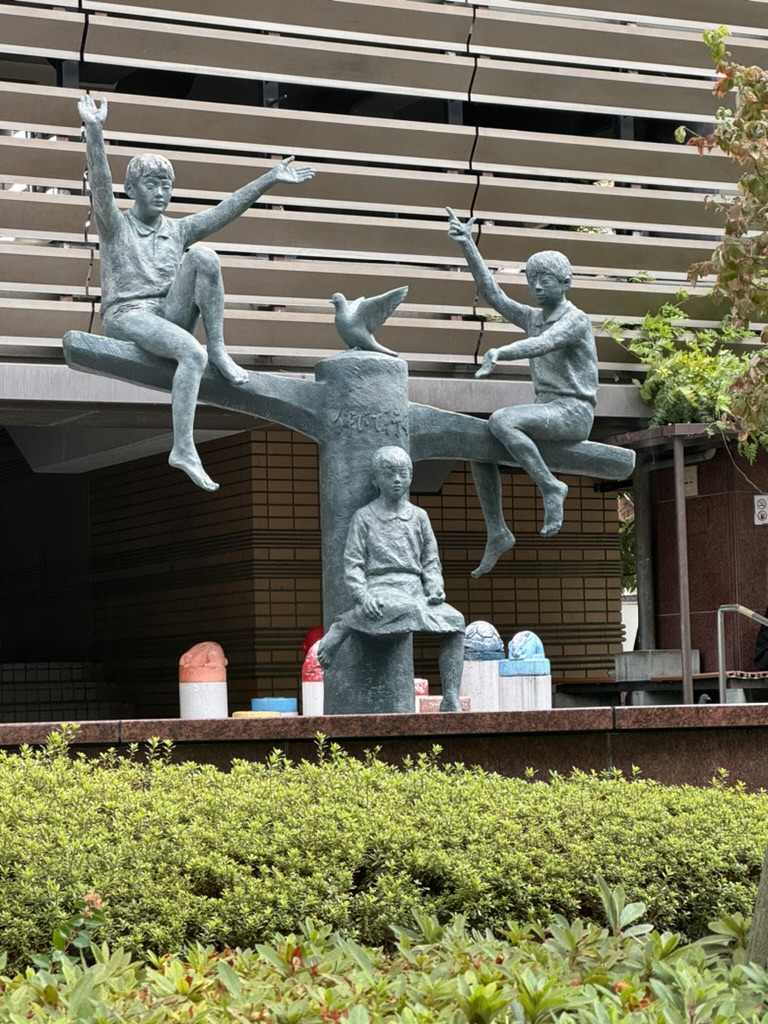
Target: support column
(365,406)
(646,605)
(682,568)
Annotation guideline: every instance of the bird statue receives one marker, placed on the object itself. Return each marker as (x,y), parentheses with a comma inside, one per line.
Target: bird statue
(356,321)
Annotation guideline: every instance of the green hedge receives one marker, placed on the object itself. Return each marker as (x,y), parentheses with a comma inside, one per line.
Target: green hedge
(187,853)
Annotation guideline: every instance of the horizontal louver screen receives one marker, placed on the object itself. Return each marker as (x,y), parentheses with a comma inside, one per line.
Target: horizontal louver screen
(551,123)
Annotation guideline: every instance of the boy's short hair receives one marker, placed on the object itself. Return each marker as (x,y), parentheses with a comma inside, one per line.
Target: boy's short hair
(389,455)
(143,166)
(549,262)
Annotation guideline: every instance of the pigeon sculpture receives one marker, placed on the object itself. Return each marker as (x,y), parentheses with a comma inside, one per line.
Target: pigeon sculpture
(356,321)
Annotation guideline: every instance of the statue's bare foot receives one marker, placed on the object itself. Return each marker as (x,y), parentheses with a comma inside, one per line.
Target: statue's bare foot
(323,655)
(494,549)
(193,467)
(450,702)
(229,369)
(329,644)
(553,508)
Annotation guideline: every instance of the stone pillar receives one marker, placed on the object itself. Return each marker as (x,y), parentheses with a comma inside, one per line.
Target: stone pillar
(483,650)
(525,679)
(365,406)
(203,682)
(312,683)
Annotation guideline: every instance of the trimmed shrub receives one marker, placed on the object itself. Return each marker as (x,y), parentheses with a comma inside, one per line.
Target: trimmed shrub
(572,973)
(186,853)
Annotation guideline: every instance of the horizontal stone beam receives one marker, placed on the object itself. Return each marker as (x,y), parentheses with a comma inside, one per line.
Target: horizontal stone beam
(436,434)
(285,400)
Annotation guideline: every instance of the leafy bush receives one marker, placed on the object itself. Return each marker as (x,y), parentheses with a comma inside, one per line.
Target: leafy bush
(690,372)
(572,972)
(186,853)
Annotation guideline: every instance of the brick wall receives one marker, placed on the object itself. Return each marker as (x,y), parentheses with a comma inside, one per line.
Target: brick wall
(173,566)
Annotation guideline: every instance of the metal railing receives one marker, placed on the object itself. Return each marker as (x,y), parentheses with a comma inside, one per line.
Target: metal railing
(741,610)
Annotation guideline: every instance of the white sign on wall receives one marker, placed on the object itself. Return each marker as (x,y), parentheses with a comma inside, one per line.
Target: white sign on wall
(761,510)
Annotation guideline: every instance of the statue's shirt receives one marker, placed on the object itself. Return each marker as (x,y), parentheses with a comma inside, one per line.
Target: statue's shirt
(140,262)
(381,542)
(569,368)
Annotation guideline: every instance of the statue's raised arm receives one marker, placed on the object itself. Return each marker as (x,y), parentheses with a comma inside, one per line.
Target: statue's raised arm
(488,289)
(200,225)
(106,210)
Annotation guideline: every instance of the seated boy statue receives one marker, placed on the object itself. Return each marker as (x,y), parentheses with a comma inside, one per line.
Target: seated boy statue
(152,297)
(563,359)
(393,571)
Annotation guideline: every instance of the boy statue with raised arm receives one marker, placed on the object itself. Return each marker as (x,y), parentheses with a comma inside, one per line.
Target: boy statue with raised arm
(151,293)
(563,360)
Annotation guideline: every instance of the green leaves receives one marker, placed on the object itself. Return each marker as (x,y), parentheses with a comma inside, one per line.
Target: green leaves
(621,914)
(478,1002)
(187,854)
(715,38)
(694,376)
(689,373)
(464,977)
(387,857)
(229,978)
(739,264)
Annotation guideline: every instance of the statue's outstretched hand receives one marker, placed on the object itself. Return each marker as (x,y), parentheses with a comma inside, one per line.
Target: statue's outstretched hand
(489,363)
(459,232)
(292,175)
(90,112)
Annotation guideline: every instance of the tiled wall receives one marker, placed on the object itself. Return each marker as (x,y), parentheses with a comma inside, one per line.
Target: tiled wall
(45,609)
(54,691)
(565,588)
(174,566)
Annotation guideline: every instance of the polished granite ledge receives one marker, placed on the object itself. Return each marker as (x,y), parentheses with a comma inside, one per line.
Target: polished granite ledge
(691,716)
(671,744)
(336,727)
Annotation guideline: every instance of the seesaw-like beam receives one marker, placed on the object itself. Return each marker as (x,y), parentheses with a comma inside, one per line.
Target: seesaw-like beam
(438,434)
(297,404)
(291,403)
